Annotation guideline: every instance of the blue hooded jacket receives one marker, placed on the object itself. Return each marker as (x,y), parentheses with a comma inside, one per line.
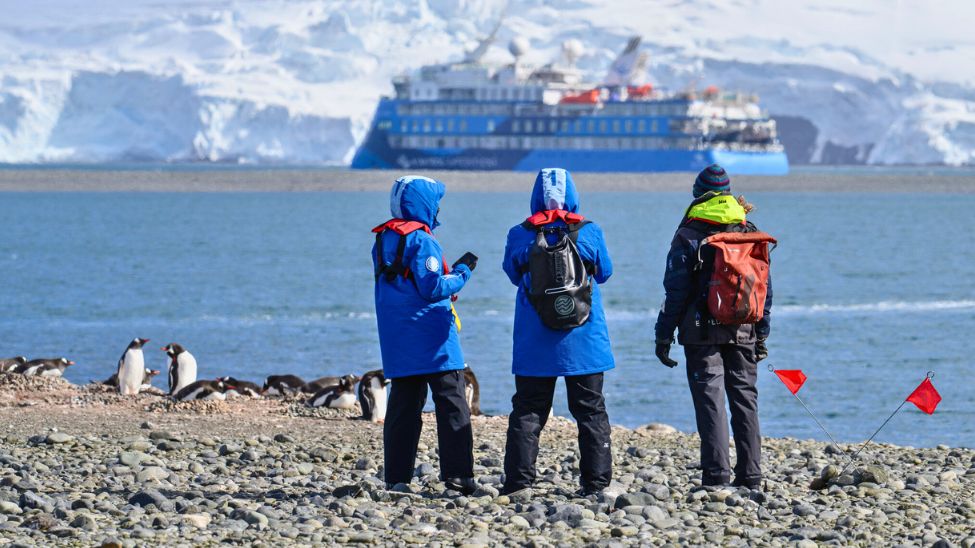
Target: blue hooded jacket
(540,351)
(417,334)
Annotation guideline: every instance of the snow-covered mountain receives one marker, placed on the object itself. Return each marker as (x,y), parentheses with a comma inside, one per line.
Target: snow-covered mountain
(295,81)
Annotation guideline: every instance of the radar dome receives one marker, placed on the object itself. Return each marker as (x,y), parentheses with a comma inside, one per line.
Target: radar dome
(519,46)
(572,49)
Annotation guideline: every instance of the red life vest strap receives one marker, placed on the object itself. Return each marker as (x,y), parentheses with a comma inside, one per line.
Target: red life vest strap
(552,215)
(402,227)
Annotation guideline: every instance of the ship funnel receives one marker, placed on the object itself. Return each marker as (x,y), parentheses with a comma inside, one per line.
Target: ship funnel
(518,47)
(571,51)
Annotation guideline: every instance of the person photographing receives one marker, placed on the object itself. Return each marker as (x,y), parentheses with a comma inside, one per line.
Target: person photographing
(418,335)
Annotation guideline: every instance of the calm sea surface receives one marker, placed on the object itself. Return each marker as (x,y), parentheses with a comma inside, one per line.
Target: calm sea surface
(872,291)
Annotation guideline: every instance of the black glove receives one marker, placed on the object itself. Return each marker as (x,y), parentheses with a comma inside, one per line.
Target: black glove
(761,352)
(663,354)
(468,259)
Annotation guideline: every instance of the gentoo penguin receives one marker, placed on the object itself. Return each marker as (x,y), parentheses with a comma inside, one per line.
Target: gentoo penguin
(372,396)
(146,379)
(340,396)
(131,368)
(237,388)
(182,367)
(10,365)
(283,385)
(48,367)
(202,390)
(472,390)
(321,383)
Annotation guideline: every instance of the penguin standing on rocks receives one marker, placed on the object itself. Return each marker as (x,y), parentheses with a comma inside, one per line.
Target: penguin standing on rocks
(182,367)
(340,396)
(203,390)
(239,388)
(472,390)
(46,367)
(372,396)
(283,385)
(146,379)
(131,368)
(10,365)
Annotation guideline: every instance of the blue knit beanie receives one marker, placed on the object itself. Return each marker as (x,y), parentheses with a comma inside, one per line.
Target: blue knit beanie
(712,179)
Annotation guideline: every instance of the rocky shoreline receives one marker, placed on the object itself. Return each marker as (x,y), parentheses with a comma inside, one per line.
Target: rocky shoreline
(84,466)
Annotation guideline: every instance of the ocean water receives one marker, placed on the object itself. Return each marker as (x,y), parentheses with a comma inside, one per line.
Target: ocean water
(872,291)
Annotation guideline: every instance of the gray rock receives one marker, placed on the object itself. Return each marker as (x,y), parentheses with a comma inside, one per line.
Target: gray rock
(348,491)
(424,469)
(9,508)
(634,499)
(84,521)
(152,473)
(803,510)
(59,438)
(29,499)
(872,474)
(152,496)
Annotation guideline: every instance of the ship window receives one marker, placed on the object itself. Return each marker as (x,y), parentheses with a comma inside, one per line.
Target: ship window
(591,126)
(653,126)
(577,126)
(416,126)
(426,125)
(515,126)
(616,126)
(565,126)
(463,125)
(439,126)
(553,126)
(529,126)
(641,126)
(450,124)
(490,125)
(628,126)
(602,126)
(402,126)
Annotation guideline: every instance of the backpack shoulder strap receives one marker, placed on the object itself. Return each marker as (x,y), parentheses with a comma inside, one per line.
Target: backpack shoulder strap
(397,268)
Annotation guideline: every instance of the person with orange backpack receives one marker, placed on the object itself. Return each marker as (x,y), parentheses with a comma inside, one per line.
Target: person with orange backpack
(418,336)
(719,298)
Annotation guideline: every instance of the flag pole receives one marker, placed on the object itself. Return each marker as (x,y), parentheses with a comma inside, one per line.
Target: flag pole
(823,428)
(930,375)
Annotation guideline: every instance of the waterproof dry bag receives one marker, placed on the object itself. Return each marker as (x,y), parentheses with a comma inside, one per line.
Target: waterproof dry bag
(561,282)
(739,276)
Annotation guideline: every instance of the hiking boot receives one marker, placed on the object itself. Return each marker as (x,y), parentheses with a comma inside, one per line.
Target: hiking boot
(465,486)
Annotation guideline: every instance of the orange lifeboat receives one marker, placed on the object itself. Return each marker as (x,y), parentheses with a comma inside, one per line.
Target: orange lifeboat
(639,92)
(590,97)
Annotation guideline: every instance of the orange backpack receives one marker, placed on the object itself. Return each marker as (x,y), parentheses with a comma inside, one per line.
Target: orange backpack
(739,276)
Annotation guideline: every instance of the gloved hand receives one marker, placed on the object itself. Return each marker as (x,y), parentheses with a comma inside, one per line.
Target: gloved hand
(468,259)
(663,353)
(761,352)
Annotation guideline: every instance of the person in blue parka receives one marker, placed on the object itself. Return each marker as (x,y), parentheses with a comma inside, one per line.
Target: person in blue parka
(418,335)
(542,354)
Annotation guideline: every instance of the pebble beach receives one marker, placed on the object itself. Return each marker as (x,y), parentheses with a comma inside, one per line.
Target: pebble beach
(85,466)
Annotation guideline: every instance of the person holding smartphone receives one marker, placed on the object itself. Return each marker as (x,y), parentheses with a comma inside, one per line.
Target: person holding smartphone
(418,335)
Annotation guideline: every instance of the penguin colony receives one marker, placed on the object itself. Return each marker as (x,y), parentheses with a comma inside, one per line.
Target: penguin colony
(132,377)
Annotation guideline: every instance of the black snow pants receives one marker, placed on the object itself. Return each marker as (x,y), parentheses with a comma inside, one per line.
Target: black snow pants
(712,372)
(401,432)
(531,405)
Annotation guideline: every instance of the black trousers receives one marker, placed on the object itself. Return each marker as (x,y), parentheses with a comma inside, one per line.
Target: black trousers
(401,431)
(531,405)
(714,371)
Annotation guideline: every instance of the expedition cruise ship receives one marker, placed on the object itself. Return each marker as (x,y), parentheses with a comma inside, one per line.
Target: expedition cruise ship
(468,115)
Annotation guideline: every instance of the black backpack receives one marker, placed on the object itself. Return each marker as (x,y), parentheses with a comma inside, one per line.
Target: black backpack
(561,281)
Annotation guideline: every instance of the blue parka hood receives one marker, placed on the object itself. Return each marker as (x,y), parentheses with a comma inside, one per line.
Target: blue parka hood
(416,198)
(554,189)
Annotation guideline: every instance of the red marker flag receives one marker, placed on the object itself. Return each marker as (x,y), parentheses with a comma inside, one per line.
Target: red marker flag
(925,397)
(793,379)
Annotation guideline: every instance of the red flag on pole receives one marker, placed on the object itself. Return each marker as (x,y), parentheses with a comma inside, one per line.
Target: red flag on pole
(925,397)
(791,378)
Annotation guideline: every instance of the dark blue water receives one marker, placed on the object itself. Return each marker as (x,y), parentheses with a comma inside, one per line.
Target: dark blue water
(872,291)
